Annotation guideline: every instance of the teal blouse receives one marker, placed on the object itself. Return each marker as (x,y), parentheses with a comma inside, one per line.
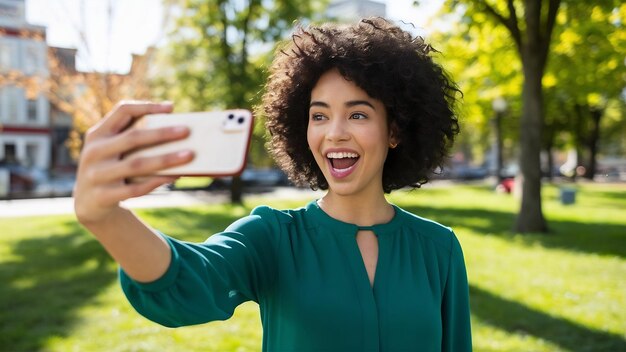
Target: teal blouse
(305,271)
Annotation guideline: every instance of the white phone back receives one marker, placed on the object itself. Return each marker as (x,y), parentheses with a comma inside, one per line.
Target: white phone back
(219,140)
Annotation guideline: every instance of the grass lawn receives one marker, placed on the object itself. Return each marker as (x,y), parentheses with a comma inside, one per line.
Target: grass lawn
(565,291)
(193,182)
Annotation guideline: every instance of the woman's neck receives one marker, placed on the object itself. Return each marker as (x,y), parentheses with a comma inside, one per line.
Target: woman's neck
(361,211)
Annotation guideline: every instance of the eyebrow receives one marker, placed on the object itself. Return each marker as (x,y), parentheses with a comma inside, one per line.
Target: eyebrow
(349,104)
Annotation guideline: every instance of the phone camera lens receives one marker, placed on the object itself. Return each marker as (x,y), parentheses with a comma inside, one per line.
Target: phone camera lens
(240,120)
(231,116)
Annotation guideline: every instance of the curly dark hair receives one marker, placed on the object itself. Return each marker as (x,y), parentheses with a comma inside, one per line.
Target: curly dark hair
(390,65)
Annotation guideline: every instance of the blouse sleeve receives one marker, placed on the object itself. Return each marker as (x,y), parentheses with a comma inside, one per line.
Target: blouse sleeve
(455,309)
(207,281)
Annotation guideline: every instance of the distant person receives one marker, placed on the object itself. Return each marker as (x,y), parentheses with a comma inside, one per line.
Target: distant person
(356,110)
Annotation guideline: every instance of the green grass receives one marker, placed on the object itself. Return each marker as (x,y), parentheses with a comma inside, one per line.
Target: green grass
(193,182)
(564,291)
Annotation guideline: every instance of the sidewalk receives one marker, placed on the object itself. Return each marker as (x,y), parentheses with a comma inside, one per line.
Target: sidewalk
(157,199)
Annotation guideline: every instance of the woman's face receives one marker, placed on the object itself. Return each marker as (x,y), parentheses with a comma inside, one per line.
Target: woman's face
(348,135)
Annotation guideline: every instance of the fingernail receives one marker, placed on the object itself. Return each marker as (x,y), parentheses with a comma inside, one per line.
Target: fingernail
(179,129)
(184,154)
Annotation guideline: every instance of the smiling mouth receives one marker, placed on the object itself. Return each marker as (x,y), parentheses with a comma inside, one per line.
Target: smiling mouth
(342,160)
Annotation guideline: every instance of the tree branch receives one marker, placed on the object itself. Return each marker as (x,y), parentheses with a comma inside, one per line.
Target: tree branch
(514,27)
(246,29)
(224,45)
(553,8)
(510,23)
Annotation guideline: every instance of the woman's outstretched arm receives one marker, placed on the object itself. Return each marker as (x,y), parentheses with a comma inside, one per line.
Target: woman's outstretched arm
(101,186)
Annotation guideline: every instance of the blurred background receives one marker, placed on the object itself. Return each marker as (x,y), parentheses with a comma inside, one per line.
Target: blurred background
(64,64)
(540,163)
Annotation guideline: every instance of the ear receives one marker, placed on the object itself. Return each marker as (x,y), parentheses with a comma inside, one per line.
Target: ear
(394,138)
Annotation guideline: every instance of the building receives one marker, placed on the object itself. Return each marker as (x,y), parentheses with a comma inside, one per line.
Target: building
(24,110)
(353,10)
(39,91)
(63,60)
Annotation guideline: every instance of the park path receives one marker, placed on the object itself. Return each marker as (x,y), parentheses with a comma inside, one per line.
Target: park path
(156,199)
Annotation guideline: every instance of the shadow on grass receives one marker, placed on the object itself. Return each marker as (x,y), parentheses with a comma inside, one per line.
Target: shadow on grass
(517,318)
(49,278)
(597,238)
(47,281)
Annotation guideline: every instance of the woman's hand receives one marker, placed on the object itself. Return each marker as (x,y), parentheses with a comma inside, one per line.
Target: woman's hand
(100,181)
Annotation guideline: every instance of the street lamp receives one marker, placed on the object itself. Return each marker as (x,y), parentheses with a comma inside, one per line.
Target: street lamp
(499,107)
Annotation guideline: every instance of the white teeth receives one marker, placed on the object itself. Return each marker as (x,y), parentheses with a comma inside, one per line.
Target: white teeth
(341,155)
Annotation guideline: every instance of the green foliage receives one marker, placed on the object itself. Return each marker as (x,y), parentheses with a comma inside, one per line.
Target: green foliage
(561,292)
(586,69)
(483,61)
(587,72)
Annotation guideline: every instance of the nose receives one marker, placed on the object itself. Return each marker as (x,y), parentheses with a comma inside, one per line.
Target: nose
(337,130)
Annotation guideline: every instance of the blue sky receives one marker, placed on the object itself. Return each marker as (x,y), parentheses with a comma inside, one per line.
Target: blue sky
(138,24)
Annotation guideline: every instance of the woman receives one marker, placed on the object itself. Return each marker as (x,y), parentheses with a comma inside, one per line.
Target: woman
(347,272)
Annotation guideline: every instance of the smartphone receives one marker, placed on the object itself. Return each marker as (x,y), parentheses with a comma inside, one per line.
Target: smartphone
(219,140)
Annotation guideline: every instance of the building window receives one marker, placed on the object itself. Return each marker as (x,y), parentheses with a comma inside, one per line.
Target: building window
(5,56)
(33,62)
(31,154)
(10,155)
(13,99)
(32,110)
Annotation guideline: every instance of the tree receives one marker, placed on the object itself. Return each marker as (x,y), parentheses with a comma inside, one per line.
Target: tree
(586,73)
(88,96)
(473,55)
(530,24)
(217,52)
(84,96)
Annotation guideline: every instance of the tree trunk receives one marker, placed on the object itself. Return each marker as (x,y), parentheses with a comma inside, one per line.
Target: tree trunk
(530,217)
(236,190)
(550,174)
(594,137)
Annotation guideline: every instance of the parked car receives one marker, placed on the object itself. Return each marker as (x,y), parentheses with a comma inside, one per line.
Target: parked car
(466,172)
(270,177)
(461,172)
(22,178)
(55,187)
(253,177)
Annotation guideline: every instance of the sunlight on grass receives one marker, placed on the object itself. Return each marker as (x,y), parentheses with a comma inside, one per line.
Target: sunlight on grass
(193,182)
(557,292)
(501,340)
(110,315)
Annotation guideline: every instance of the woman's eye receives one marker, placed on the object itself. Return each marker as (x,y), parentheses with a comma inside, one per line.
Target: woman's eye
(317,117)
(358,116)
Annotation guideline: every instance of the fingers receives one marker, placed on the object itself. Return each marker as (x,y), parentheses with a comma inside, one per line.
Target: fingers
(100,187)
(116,171)
(123,113)
(113,195)
(132,139)
(100,177)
